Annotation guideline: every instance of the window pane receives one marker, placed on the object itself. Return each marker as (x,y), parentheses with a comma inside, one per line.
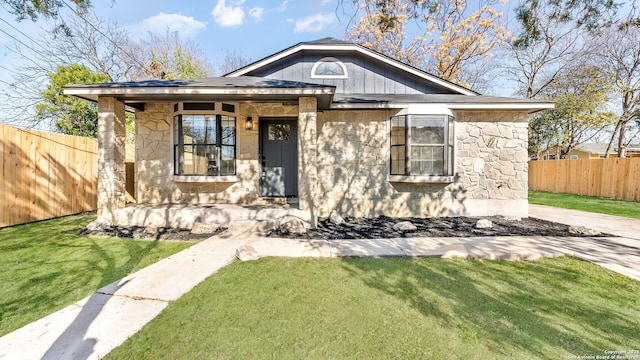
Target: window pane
(329,68)
(228,163)
(398,130)
(200,155)
(398,155)
(427,130)
(228,130)
(198,106)
(213,159)
(427,160)
(199,129)
(279,132)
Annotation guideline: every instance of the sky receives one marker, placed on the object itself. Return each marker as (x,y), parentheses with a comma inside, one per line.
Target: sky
(252,28)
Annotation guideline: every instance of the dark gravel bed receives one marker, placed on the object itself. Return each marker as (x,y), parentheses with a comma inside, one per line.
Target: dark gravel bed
(138,232)
(382,227)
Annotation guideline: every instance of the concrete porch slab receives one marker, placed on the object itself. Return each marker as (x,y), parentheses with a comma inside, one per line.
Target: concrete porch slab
(185,215)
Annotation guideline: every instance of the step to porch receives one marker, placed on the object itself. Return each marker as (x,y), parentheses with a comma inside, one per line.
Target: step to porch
(184,216)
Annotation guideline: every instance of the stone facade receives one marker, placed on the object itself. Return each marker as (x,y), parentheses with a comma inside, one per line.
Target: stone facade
(155,183)
(111,156)
(490,162)
(343,164)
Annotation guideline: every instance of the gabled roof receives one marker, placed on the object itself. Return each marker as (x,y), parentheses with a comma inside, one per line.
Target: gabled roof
(328,44)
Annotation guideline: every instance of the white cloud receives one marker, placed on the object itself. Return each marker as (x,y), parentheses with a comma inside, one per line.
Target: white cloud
(314,23)
(256,13)
(186,26)
(228,15)
(283,6)
(326,2)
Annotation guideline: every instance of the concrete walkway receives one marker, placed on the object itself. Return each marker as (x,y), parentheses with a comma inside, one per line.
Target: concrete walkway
(91,328)
(614,225)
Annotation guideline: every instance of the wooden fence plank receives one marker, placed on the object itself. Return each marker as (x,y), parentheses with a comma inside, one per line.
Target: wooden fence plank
(613,177)
(45,175)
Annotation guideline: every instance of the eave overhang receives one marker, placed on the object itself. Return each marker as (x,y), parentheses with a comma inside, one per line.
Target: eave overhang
(453,102)
(243,89)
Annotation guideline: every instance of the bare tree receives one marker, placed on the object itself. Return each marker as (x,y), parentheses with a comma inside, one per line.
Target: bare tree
(233,60)
(103,47)
(618,48)
(452,33)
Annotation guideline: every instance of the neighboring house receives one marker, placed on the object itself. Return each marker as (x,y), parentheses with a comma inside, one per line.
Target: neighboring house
(333,124)
(590,151)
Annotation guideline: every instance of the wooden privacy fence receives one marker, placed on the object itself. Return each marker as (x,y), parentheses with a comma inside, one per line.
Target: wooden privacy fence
(45,175)
(613,177)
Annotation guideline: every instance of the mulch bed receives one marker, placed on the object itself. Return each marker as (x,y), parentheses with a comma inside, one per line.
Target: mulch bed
(138,232)
(382,227)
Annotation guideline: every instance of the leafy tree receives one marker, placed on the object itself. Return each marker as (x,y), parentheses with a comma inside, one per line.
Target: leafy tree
(32,9)
(71,115)
(586,14)
(580,114)
(452,35)
(49,9)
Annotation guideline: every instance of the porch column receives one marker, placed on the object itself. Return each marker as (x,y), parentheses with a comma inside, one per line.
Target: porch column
(308,156)
(111,156)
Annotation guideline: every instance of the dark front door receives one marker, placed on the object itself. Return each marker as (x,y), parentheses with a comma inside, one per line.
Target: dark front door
(279,157)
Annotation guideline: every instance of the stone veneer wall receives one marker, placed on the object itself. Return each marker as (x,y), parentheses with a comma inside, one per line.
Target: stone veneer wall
(350,170)
(491,168)
(111,156)
(154,158)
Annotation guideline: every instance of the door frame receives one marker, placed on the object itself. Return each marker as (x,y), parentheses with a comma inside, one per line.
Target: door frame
(263,121)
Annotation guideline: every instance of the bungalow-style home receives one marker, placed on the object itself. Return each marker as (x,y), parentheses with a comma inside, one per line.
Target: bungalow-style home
(328,124)
(590,151)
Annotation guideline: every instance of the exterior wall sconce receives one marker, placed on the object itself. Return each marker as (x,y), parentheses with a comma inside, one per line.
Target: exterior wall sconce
(248,123)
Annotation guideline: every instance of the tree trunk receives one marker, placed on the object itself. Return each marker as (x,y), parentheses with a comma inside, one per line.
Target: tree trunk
(622,148)
(613,136)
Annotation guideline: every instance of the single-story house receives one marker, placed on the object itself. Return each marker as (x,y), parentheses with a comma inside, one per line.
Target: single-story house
(332,124)
(590,151)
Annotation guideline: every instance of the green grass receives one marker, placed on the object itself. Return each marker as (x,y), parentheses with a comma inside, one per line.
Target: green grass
(425,308)
(595,204)
(46,266)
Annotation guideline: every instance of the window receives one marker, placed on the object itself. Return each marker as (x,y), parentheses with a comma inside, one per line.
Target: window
(329,68)
(422,145)
(204,144)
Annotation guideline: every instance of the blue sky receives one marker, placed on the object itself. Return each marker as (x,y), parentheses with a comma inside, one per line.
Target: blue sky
(252,28)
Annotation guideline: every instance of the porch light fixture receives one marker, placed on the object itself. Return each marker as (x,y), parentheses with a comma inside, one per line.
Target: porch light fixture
(248,124)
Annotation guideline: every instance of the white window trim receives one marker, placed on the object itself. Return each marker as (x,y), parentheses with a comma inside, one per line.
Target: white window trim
(421,179)
(422,109)
(325,60)
(206,178)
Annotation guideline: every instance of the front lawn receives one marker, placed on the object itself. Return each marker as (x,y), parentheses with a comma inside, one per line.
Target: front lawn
(46,266)
(626,208)
(426,308)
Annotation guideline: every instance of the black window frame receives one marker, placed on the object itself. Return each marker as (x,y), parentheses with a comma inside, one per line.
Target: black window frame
(401,145)
(216,165)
